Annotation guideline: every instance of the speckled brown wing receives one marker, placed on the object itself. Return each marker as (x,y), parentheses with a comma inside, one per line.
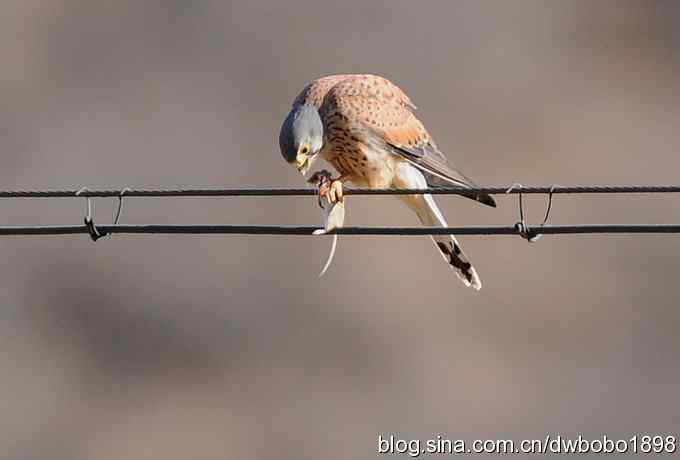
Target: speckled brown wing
(315,92)
(368,102)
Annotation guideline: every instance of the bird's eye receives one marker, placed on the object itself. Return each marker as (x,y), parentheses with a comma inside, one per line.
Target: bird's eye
(304,150)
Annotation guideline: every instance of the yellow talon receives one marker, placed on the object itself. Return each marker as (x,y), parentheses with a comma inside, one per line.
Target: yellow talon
(335,193)
(328,188)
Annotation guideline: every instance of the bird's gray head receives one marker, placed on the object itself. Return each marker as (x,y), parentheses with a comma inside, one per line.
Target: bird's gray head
(301,137)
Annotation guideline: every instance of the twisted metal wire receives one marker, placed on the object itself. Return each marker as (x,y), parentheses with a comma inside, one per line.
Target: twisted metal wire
(203,192)
(367,231)
(521,228)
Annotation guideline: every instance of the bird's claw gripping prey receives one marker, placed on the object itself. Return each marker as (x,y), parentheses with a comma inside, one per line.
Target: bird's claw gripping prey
(335,192)
(333,210)
(327,187)
(366,127)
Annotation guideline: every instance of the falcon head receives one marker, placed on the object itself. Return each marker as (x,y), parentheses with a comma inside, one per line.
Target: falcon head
(301,137)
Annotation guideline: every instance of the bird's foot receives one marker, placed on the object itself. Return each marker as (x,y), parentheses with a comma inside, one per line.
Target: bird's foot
(328,188)
(335,191)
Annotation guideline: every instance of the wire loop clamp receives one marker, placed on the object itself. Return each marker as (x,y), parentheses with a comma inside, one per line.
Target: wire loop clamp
(92,229)
(521,226)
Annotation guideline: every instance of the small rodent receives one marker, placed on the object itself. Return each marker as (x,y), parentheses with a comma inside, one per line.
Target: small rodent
(333,213)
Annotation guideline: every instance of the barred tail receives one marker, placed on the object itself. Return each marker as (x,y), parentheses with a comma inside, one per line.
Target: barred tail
(452,253)
(429,215)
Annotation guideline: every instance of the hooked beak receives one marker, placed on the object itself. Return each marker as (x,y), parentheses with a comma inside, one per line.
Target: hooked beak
(303,162)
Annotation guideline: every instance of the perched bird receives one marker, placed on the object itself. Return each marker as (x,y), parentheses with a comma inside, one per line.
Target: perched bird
(365,126)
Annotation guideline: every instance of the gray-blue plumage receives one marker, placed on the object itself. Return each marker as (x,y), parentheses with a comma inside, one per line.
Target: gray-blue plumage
(302,126)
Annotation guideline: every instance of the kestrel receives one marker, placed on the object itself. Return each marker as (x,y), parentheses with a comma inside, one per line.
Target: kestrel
(365,126)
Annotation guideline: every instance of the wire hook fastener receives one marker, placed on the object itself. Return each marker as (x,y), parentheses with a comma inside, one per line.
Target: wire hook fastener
(92,229)
(549,207)
(120,204)
(521,226)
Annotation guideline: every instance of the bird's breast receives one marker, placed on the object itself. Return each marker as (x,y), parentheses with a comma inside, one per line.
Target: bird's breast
(366,166)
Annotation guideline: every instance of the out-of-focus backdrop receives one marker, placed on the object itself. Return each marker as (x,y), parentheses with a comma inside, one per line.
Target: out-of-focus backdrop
(177,347)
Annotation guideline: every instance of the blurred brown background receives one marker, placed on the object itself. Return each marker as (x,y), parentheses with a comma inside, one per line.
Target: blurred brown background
(177,347)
